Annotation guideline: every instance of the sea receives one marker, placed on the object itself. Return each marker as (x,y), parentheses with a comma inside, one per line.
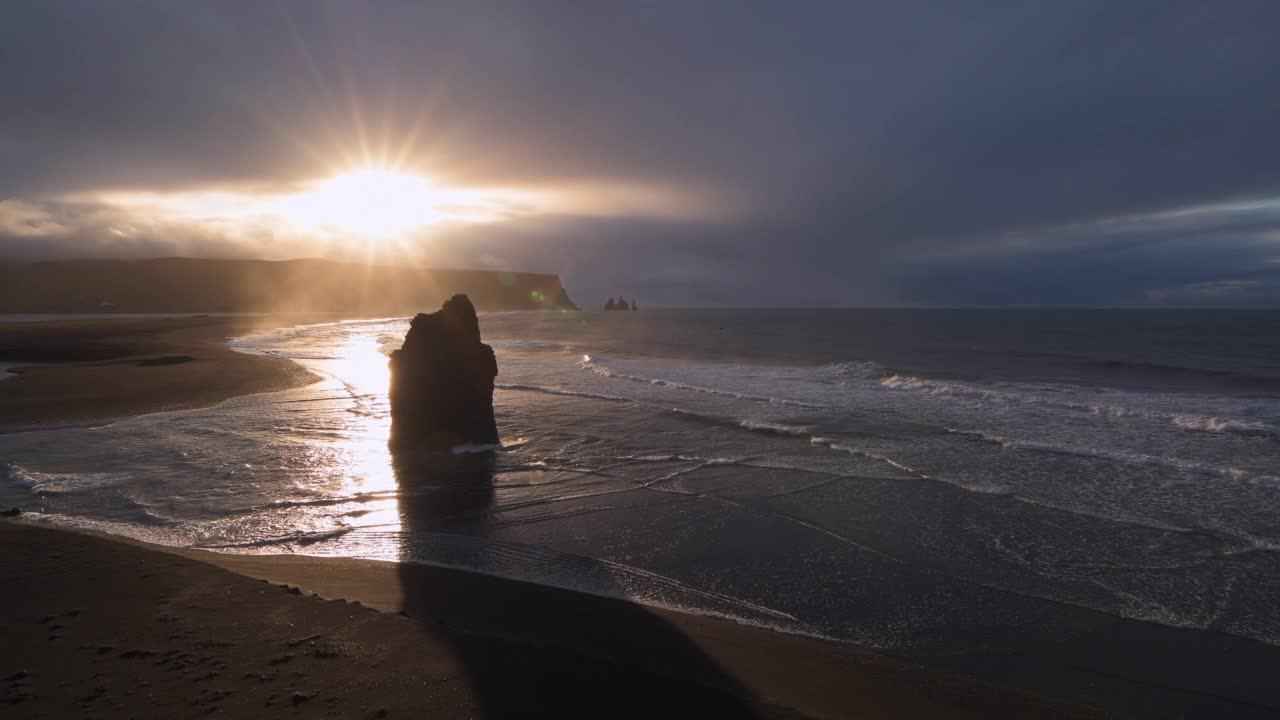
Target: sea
(1084,502)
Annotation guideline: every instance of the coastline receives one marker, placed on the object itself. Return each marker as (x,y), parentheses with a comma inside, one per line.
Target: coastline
(118,628)
(131,639)
(1119,660)
(99,370)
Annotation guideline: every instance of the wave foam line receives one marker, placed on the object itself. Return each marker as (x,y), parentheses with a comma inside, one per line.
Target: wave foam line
(560,391)
(589,363)
(525,344)
(760,426)
(670,582)
(1224,425)
(1123,458)
(474,448)
(1186,421)
(774,428)
(301,538)
(57,483)
(834,445)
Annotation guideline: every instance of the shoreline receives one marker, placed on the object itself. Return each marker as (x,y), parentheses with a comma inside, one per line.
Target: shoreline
(373,632)
(1062,639)
(88,371)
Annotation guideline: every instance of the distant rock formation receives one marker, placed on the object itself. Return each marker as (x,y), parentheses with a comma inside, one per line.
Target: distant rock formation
(561,300)
(442,381)
(620,304)
(208,285)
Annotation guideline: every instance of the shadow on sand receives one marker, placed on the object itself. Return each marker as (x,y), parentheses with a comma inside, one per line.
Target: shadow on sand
(535,651)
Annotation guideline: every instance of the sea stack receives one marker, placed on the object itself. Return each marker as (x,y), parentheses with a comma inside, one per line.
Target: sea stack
(442,381)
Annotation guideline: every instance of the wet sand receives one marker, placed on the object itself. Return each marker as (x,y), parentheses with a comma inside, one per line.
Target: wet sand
(109,628)
(102,369)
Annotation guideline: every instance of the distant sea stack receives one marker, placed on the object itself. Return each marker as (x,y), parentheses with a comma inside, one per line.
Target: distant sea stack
(620,304)
(442,381)
(208,285)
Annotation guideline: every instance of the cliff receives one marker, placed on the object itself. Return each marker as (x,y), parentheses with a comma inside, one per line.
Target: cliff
(193,285)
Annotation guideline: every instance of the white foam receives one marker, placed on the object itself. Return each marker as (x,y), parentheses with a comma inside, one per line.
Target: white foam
(850,450)
(1154,408)
(1224,425)
(909,382)
(590,363)
(775,428)
(20,476)
(560,391)
(524,344)
(681,458)
(661,458)
(720,461)
(299,538)
(1123,457)
(473,448)
(55,483)
(855,369)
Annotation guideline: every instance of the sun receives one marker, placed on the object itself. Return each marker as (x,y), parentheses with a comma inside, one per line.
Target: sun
(372,203)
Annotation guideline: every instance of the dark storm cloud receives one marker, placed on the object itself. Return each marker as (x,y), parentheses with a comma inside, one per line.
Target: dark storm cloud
(897,153)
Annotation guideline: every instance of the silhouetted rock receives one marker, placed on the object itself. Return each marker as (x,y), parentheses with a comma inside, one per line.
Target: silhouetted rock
(620,304)
(11,512)
(442,381)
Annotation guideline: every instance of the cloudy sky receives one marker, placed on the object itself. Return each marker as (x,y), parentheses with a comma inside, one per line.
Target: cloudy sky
(686,153)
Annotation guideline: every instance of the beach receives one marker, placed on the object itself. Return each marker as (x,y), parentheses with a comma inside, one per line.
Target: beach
(680,492)
(107,628)
(639,359)
(111,627)
(110,368)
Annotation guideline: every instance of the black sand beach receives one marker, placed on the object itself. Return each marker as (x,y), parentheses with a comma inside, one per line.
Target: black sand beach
(106,628)
(101,369)
(981,637)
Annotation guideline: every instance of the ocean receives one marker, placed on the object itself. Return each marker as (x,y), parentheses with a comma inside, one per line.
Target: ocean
(927,483)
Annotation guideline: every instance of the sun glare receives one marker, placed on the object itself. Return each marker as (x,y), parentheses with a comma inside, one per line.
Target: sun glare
(373,203)
(371,207)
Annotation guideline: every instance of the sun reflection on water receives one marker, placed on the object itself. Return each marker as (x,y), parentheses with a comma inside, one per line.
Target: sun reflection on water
(360,460)
(363,368)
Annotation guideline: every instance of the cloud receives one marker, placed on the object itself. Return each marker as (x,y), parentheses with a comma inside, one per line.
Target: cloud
(831,153)
(26,220)
(1211,290)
